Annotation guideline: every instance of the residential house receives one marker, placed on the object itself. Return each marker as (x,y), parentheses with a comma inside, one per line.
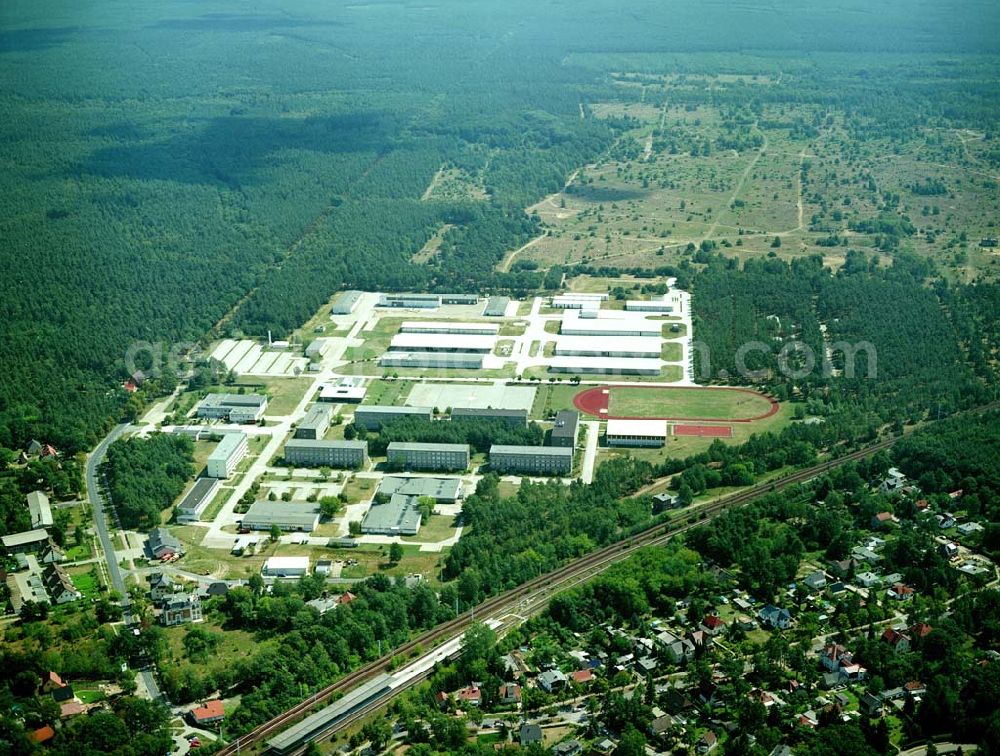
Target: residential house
(899,642)
(569,748)
(968,528)
(901,592)
(208,713)
(678,650)
(63,694)
(914,689)
(832,655)
(59,585)
(893,481)
(162,545)
(815,581)
(867,579)
(162,587)
(707,743)
(949,550)
(470,695)
(920,630)
(780,750)
(664,501)
(864,554)
(712,625)
(51,554)
(71,709)
(945,521)
(872,704)
(552,680)
(661,725)
(582,676)
(509,694)
(180,609)
(881,520)
(42,734)
(844,567)
(530,734)
(51,681)
(775,617)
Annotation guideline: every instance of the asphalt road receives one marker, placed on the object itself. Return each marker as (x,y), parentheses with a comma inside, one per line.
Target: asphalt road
(101,523)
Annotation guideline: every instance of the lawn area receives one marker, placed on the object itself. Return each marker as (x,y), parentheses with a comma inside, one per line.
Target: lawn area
(508,490)
(359,489)
(671,352)
(436,528)
(723,404)
(89,696)
(388,392)
(85,581)
(552,398)
(513,329)
(284,394)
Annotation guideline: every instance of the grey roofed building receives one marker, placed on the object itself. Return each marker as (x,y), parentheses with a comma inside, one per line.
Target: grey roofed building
(237,408)
(529,734)
(418,456)
(315,423)
(496,307)
(552,680)
(513,416)
(564,429)
(288,515)
(424,301)
(466,299)
(346,302)
(399,516)
(197,499)
(28,540)
(542,460)
(303,451)
(39,509)
(440,489)
(373,416)
(161,543)
(456,360)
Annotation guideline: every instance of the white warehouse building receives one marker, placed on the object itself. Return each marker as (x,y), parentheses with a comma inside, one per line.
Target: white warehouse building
(443,326)
(442,342)
(636,433)
(609,346)
(286,566)
(227,455)
(574,325)
(605,365)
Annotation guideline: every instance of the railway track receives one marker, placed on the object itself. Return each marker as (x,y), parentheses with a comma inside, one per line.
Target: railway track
(537,589)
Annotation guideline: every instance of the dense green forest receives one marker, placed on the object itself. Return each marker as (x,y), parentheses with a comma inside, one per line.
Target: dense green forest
(146,475)
(168,173)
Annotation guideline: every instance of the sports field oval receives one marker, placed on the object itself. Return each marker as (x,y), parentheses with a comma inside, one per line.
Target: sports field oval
(722,404)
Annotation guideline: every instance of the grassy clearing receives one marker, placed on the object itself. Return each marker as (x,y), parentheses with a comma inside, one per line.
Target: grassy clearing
(388,392)
(284,394)
(550,398)
(435,529)
(686,402)
(671,352)
(359,489)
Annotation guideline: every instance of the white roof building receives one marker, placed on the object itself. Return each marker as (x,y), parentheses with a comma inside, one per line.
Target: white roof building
(442,342)
(444,326)
(623,324)
(286,566)
(605,365)
(39,510)
(609,346)
(636,432)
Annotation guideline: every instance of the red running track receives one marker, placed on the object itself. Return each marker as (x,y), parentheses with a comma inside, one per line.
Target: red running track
(594,401)
(704,431)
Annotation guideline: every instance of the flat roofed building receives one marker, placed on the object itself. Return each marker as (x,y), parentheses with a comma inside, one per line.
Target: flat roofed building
(605,365)
(415,301)
(26,541)
(564,429)
(657,304)
(286,566)
(374,416)
(287,515)
(39,509)
(541,460)
(609,346)
(442,342)
(194,503)
(442,490)
(318,347)
(227,455)
(237,408)
(622,324)
(346,302)
(496,307)
(439,360)
(316,422)
(459,299)
(518,417)
(443,326)
(348,390)
(588,296)
(398,516)
(636,432)
(415,456)
(571,303)
(318,453)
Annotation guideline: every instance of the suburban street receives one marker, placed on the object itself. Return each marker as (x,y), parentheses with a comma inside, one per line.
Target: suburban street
(101,524)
